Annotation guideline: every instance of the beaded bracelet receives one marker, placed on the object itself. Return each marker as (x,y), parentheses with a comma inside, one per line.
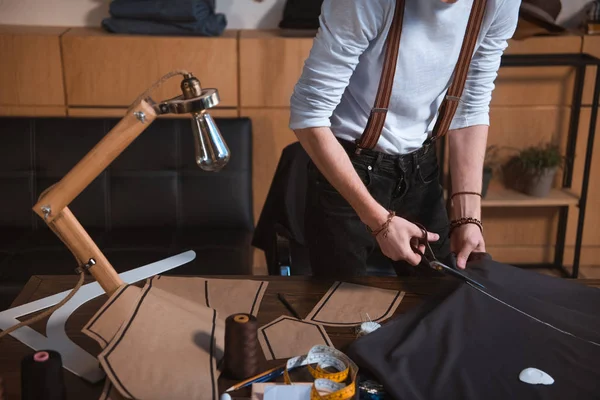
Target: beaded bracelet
(465,221)
(385,227)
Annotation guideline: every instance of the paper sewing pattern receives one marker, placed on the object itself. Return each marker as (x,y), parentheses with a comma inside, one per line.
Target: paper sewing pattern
(348,304)
(109,392)
(288,337)
(167,348)
(227,296)
(105,324)
(259,389)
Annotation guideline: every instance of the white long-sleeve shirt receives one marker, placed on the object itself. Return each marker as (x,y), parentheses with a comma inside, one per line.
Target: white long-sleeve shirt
(341,76)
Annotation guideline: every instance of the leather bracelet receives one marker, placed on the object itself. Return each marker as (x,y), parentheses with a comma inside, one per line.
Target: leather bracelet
(465,221)
(465,193)
(385,227)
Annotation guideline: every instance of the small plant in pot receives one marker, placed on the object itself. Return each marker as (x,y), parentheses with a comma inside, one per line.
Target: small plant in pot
(535,168)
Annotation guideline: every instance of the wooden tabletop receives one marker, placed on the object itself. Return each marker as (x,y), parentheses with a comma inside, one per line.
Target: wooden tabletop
(302,292)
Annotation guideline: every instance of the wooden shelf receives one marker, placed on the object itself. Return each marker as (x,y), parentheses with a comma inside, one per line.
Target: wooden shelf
(500,197)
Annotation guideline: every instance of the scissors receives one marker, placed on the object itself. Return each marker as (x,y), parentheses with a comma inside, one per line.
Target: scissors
(429,257)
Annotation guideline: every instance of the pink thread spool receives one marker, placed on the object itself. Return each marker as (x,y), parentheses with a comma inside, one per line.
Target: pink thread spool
(41,356)
(42,376)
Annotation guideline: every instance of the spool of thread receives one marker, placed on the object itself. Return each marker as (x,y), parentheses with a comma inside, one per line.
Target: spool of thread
(42,376)
(241,358)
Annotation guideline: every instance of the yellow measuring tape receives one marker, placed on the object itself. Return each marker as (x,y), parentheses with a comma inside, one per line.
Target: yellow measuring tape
(327,385)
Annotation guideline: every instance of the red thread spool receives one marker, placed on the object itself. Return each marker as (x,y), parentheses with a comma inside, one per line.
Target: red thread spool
(241,358)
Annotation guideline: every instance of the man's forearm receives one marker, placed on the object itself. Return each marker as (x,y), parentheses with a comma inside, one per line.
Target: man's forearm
(332,160)
(467,154)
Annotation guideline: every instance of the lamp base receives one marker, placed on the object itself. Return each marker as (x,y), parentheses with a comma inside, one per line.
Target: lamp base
(75,359)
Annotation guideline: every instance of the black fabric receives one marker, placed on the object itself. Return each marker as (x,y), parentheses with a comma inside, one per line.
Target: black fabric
(163,10)
(283,212)
(165,17)
(340,244)
(462,344)
(152,202)
(301,14)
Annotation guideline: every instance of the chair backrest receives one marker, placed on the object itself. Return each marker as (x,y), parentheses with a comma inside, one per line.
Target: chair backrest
(155,182)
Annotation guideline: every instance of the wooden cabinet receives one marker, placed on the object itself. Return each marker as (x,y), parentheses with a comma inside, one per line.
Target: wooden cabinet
(100,74)
(31,80)
(270,65)
(108,70)
(591,46)
(537,86)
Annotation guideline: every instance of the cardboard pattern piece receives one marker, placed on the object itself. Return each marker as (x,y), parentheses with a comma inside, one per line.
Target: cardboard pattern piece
(227,296)
(348,304)
(168,348)
(185,296)
(110,393)
(105,324)
(288,337)
(259,389)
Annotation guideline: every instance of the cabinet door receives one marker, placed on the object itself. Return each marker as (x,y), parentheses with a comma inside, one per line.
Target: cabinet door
(108,70)
(30,70)
(271,65)
(542,86)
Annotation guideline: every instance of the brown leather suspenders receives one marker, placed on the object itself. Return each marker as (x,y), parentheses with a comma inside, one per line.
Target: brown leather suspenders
(450,103)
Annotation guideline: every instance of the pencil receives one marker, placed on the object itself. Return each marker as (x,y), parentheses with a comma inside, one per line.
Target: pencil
(287,305)
(262,377)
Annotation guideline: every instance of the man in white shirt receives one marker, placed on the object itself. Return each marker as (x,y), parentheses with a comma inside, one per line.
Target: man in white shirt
(353,192)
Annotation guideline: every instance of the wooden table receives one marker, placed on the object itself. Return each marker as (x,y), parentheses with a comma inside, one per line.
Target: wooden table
(302,292)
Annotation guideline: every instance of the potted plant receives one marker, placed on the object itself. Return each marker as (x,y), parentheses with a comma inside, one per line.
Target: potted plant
(536,167)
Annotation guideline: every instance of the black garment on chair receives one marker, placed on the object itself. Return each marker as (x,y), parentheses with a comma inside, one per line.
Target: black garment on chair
(280,228)
(464,345)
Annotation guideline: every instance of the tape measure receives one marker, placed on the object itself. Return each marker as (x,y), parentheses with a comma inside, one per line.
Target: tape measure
(327,385)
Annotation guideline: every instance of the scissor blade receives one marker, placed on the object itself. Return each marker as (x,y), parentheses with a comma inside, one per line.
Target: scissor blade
(457,274)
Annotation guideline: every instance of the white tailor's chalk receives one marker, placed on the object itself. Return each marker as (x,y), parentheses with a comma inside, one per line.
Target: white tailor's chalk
(225,396)
(534,376)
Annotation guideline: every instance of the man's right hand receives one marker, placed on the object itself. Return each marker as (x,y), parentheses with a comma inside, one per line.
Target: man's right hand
(396,245)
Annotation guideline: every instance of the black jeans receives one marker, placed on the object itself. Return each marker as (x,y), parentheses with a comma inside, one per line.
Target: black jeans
(340,245)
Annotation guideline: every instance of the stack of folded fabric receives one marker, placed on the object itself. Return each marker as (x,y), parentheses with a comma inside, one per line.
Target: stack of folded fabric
(165,17)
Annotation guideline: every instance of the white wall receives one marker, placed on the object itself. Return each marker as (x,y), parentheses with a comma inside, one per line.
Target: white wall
(241,14)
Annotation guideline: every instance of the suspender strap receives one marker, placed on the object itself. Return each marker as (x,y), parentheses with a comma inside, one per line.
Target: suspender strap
(386,83)
(450,103)
(452,99)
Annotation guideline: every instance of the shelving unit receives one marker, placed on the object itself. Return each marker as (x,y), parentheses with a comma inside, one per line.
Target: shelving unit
(502,197)
(562,198)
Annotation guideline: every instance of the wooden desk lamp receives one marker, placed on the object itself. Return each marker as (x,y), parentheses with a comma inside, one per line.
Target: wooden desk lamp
(212,154)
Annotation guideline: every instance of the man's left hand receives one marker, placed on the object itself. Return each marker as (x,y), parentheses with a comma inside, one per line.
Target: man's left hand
(466,239)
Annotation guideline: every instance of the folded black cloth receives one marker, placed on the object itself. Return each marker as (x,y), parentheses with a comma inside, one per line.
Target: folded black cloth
(211,26)
(163,17)
(163,10)
(462,344)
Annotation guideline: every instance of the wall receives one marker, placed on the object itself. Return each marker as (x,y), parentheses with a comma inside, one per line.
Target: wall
(241,14)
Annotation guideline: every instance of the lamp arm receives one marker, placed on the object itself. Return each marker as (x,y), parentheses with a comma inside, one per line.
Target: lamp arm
(136,120)
(52,205)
